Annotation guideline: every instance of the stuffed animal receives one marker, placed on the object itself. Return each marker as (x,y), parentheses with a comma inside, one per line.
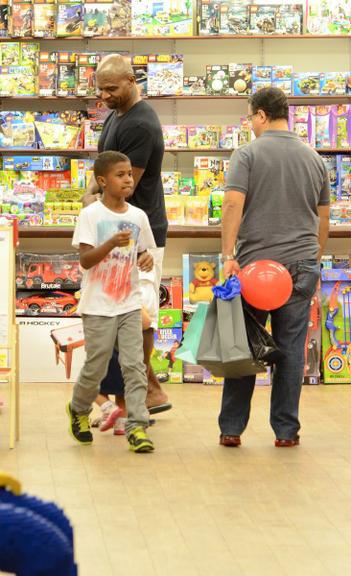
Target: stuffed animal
(200,289)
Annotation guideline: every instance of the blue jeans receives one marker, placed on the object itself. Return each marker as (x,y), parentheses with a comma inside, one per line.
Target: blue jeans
(289,329)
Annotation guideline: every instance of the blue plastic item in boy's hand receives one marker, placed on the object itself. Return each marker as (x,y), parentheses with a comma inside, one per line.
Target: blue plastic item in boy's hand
(229,290)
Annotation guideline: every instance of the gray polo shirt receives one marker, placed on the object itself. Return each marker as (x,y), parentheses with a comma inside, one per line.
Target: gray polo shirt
(284,182)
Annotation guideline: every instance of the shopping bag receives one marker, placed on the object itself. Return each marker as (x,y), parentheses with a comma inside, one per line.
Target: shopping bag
(224,349)
(191,339)
(261,342)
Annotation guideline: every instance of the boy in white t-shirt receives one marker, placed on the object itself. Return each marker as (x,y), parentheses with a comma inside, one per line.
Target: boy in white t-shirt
(113,237)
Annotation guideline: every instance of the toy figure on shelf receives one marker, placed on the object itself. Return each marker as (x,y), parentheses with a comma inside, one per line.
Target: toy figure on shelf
(200,288)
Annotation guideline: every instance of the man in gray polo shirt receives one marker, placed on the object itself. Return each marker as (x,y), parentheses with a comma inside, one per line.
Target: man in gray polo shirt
(276,207)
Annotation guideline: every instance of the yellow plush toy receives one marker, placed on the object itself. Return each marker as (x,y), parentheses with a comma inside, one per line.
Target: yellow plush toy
(200,289)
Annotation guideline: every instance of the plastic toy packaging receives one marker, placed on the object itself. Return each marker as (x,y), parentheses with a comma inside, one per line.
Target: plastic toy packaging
(330,162)
(170,181)
(313,341)
(47,271)
(344,171)
(196,210)
(324,126)
(46,303)
(187,186)
(200,273)
(302,122)
(343,126)
(215,207)
(175,209)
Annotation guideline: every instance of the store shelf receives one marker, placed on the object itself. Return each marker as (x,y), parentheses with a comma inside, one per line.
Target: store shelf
(341,98)
(189,38)
(173,232)
(73,151)
(35,152)
(229,151)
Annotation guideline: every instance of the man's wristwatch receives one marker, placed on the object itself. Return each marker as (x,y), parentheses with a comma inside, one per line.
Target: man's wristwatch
(227,258)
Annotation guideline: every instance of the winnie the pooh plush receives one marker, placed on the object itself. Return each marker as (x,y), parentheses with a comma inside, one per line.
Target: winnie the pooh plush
(200,289)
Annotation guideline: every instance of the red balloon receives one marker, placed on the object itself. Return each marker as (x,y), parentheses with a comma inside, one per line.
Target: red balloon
(265,284)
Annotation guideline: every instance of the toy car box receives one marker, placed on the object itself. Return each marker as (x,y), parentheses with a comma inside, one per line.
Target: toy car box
(47,271)
(46,303)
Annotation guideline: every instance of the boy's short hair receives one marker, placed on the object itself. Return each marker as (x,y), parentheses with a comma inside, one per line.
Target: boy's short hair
(272,101)
(106,160)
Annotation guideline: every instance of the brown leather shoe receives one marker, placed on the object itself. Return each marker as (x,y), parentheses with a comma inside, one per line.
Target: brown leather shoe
(287,443)
(231,441)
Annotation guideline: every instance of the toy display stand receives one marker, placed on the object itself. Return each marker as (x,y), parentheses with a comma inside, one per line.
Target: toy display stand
(8,328)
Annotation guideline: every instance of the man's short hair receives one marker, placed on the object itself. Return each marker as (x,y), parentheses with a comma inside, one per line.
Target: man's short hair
(106,160)
(272,101)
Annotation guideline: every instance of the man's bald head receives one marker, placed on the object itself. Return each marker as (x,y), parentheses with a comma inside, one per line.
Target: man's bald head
(114,66)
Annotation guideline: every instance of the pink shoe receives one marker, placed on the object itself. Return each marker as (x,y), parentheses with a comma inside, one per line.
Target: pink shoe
(119,427)
(109,418)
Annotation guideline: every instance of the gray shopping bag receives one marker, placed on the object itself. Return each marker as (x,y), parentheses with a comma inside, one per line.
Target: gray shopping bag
(224,349)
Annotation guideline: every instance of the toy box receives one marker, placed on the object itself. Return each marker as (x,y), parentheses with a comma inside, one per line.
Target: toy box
(313,342)
(229,137)
(46,303)
(171,292)
(32,163)
(233,18)
(153,18)
(139,65)
(215,207)
(324,126)
(47,73)
(328,17)
(43,360)
(208,174)
(47,271)
(186,186)
(79,169)
(10,53)
(60,180)
(107,18)
(217,79)
(200,273)
(330,162)
(66,74)
(69,19)
(4,19)
(203,137)
(92,133)
(302,122)
(262,74)
(170,182)
(165,75)
(208,17)
(333,83)
(194,85)
(240,79)
(175,209)
(344,170)
(262,19)
(175,136)
(167,368)
(343,125)
(21,20)
(170,318)
(306,84)
(44,18)
(289,19)
(336,322)
(57,135)
(282,78)
(86,73)
(196,210)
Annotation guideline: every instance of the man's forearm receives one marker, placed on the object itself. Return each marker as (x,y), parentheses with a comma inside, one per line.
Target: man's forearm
(323,234)
(231,220)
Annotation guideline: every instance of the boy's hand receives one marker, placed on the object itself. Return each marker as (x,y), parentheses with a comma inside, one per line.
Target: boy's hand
(121,239)
(145,262)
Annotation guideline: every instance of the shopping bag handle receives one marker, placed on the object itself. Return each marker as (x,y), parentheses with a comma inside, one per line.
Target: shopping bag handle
(229,289)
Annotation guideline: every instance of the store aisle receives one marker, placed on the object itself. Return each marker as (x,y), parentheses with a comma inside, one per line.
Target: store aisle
(194,508)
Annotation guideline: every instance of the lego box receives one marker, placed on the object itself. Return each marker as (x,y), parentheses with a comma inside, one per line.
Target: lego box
(166,367)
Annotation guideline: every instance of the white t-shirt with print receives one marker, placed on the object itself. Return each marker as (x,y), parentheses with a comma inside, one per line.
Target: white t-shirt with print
(112,287)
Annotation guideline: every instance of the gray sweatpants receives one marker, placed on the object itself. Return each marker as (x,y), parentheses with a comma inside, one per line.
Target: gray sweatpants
(102,333)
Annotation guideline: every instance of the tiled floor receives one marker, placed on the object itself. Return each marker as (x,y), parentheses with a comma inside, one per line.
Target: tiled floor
(194,508)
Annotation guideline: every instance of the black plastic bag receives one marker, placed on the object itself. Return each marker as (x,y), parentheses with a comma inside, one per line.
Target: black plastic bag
(261,343)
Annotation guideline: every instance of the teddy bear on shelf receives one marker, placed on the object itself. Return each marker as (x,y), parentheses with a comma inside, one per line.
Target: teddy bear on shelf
(200,289)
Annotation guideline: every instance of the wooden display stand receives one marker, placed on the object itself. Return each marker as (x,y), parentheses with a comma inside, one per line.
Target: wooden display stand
(8,328)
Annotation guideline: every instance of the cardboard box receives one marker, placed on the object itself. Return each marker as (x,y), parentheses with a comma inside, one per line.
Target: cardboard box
(166,367)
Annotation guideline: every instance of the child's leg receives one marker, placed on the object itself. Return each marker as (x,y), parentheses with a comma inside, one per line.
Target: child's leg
(131,358)
(100,337)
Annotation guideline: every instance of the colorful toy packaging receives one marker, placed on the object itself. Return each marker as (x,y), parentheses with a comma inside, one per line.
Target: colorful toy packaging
(139,65)
(69,18)
(344,170)
(194,85)
(175,209)
(47,271)
(215,207)
(171,293)
(282,78)
(330,162)
(302,122)
(165,75)
(289,19)
(262,19)
(217,79)
(46,303)
(47,73)
(328,17)
(233,18)
(151,18)
(208,17)
(313,342)
(336,326)
(196,210)
(333,83)
(186,186)
(229,137)
(307,84)
(204,137)
(170,318)
(209,173)
(175,136)
(343,125)
(86,73)
(200,273)
(107,18)
(21,20)
(79,169)
(170,181)
(240,79)
(44,18)
(66,74)
(166,366)
(324,126)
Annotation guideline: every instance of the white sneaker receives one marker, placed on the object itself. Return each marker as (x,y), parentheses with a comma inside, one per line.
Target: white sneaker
(119,427)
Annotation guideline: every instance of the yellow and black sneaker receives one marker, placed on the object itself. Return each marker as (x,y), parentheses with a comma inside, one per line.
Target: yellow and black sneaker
(139,441)
(79,426)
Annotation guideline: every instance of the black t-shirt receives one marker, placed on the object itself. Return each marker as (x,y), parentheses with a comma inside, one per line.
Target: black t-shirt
(138,134)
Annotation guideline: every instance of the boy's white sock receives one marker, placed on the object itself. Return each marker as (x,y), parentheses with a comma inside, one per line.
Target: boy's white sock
(108,405)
